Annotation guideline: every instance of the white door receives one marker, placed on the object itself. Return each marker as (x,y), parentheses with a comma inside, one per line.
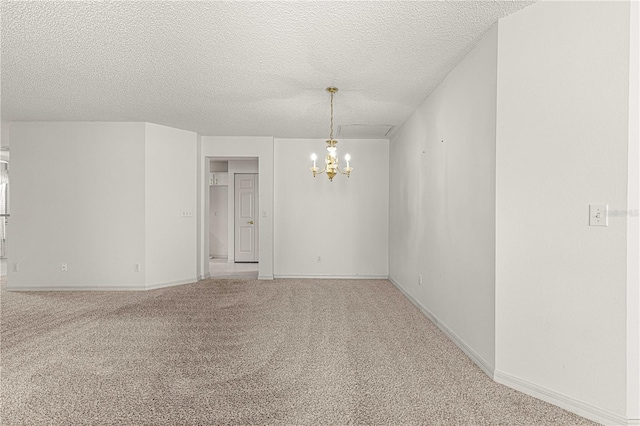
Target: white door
(246,217)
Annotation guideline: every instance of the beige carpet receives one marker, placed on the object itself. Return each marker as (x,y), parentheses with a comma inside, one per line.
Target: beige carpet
(294,352)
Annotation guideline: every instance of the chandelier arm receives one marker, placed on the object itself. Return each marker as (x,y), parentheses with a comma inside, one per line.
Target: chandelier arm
(344,172)
(318,172)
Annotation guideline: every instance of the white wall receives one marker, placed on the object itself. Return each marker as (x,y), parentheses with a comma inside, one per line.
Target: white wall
(238,147)
(102,197)
(77,198)
(218,221)
(219,166)
(219,213)
(442,205)
(345,222)
(633,222)
(4,133)
(170,190)
(562,144)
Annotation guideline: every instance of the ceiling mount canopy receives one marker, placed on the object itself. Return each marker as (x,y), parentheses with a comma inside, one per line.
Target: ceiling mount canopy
(331,160)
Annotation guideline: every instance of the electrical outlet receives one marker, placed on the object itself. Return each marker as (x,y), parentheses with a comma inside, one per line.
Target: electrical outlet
(136,267)
(419,279)
(319,260)
(64,267)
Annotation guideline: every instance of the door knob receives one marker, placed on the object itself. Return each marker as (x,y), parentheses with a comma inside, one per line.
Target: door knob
(250,222)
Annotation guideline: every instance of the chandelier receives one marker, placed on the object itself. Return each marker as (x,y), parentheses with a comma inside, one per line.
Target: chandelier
(331,160)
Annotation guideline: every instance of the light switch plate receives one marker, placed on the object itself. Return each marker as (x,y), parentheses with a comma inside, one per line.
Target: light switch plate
(598,215)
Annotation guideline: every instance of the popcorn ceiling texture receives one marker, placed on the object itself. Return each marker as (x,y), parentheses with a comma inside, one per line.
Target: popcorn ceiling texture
(233,68)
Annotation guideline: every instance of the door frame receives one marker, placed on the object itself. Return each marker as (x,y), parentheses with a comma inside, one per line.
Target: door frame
(237,148)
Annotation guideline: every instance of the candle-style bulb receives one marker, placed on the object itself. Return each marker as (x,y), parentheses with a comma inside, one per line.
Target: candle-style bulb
(347,157)
(314,157)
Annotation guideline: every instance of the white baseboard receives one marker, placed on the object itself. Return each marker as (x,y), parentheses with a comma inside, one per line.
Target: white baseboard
(578,407)
(136,287)
(170,284)
(335,277)
(265,277)
(78,288)
(581,408)
(204,277)
(475,357)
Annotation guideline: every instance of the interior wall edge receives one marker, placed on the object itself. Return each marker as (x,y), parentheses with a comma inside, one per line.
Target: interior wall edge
(484,365)
(633,222)
(265,277)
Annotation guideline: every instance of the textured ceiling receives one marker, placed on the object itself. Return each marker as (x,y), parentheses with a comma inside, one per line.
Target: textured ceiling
(233,68)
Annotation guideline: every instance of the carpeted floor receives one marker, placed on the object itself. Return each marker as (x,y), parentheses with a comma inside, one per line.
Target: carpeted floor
(294,352)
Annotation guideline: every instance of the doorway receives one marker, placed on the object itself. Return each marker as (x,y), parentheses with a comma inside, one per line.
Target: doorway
(224,215)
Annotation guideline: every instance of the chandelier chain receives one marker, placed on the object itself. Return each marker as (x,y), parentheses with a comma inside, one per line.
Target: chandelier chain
(331,130)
